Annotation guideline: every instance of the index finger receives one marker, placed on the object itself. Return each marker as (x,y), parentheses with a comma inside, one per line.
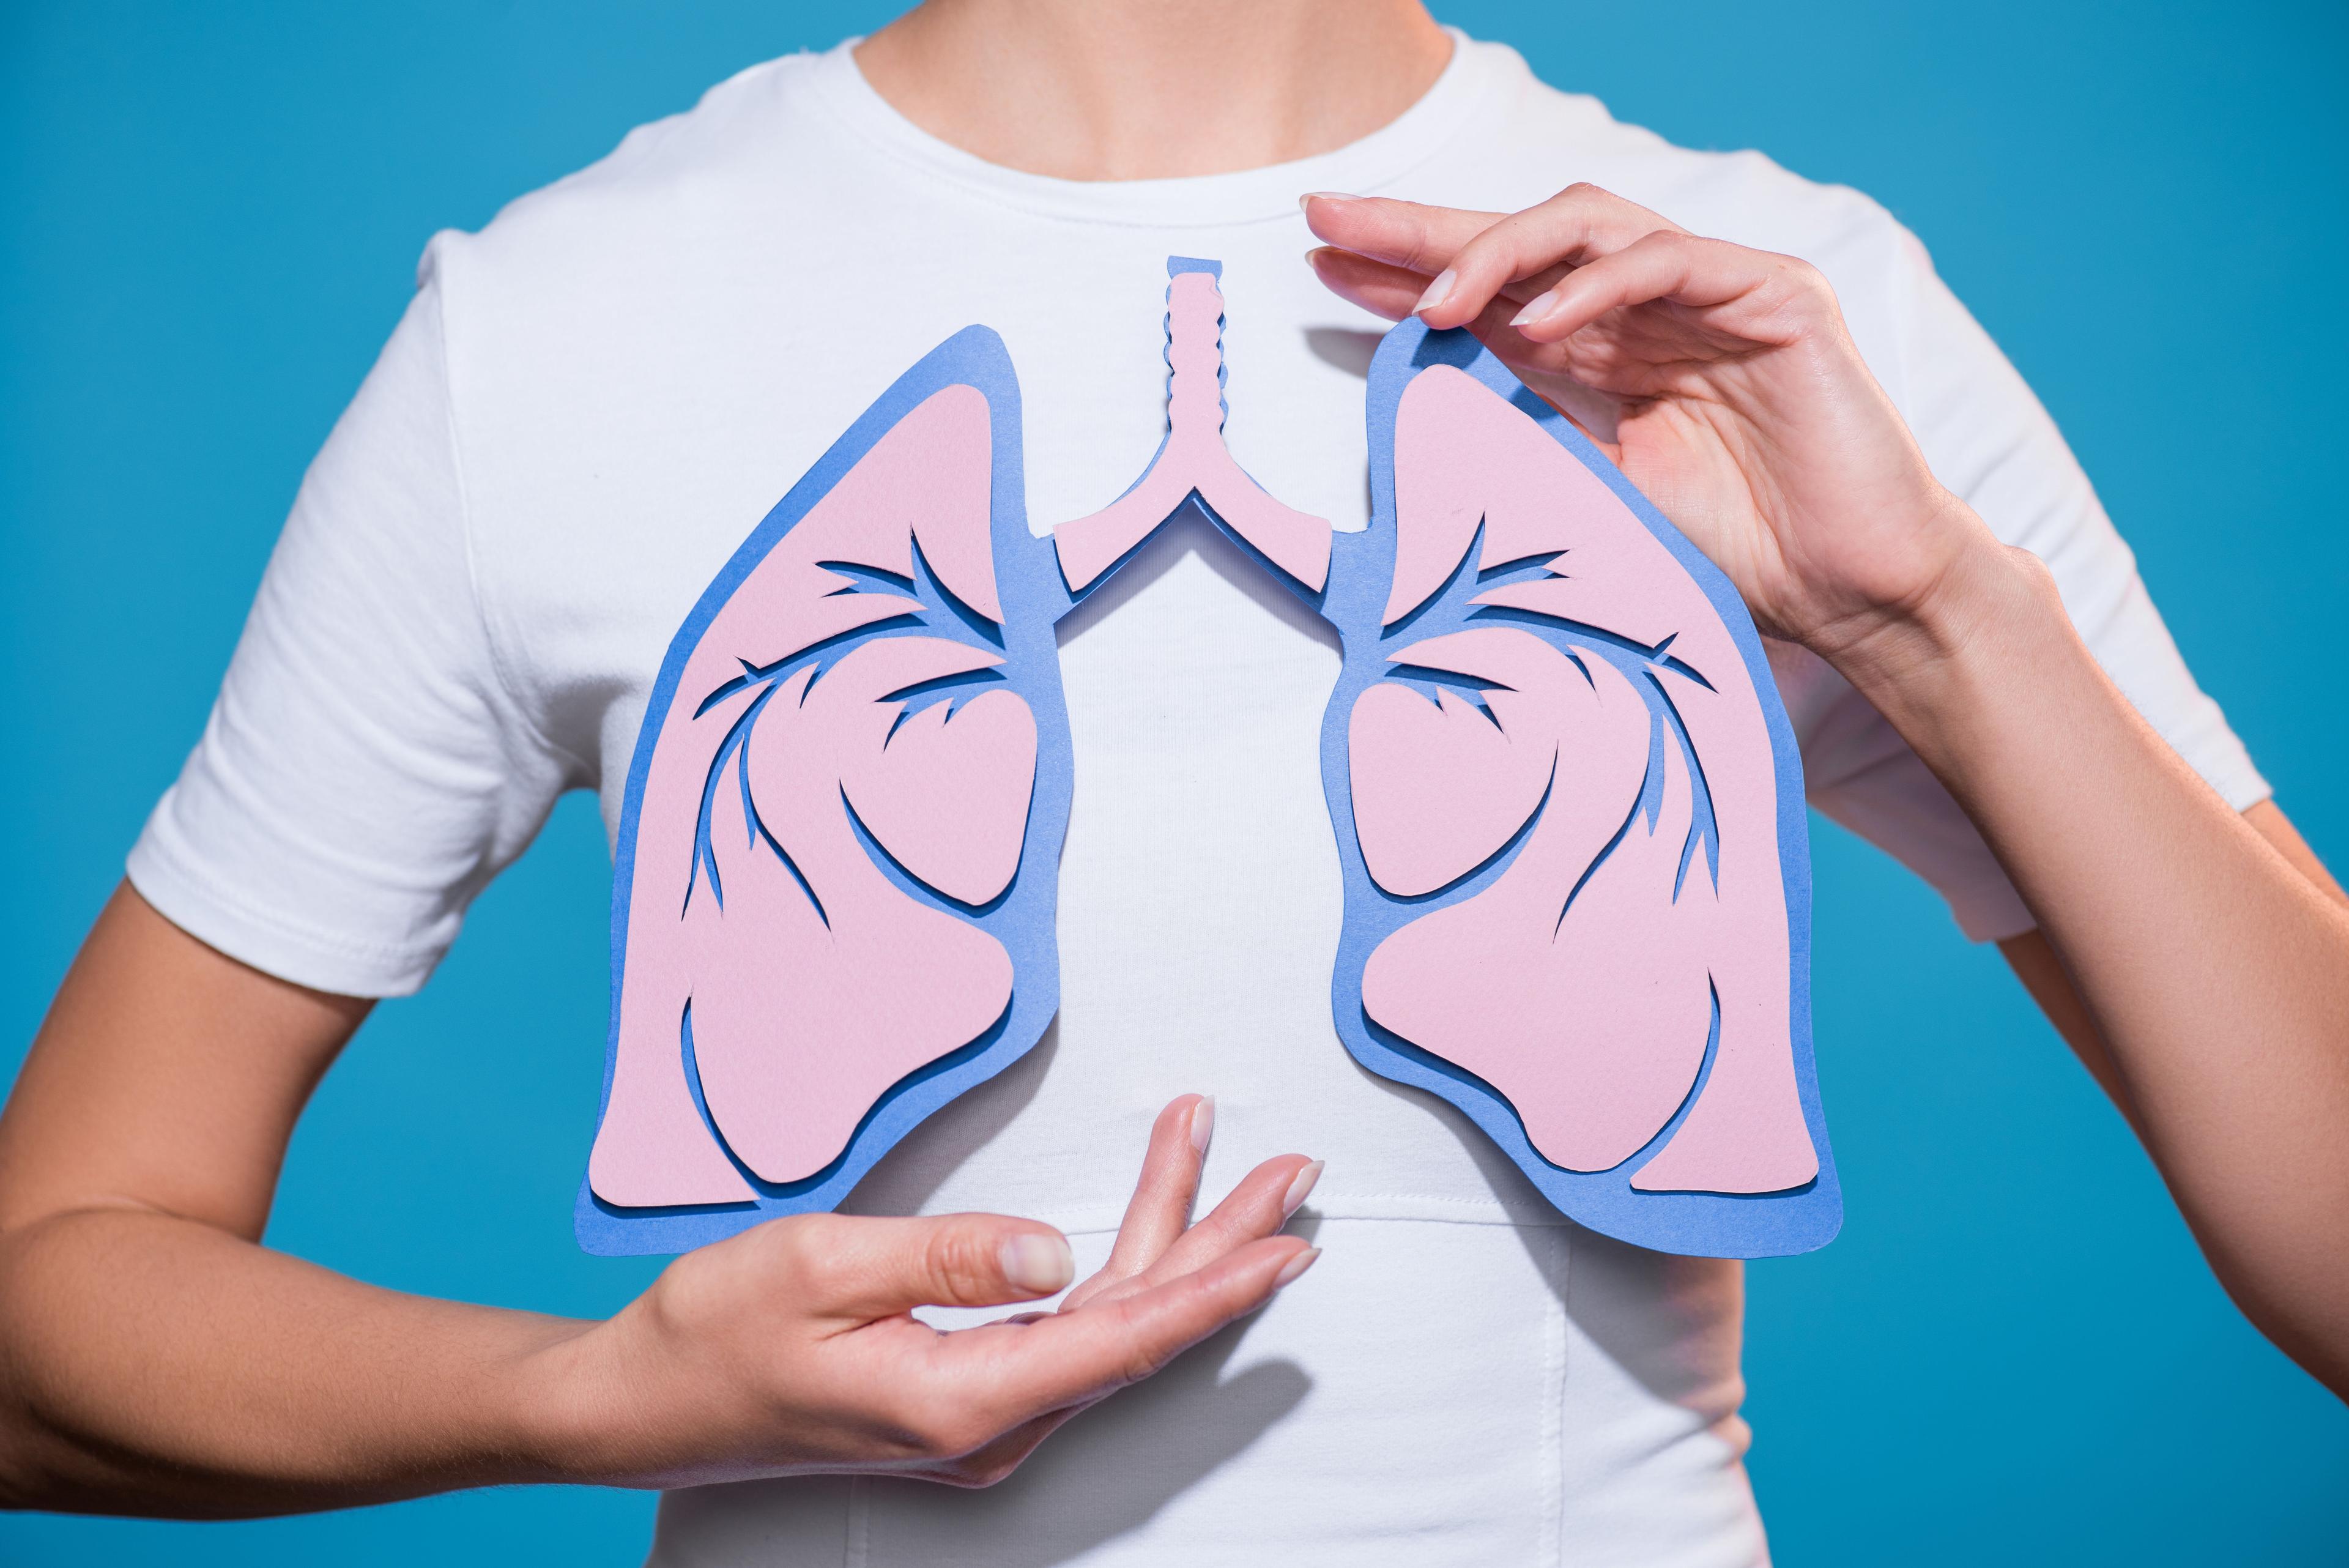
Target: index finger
(1579,225)
(1407,234)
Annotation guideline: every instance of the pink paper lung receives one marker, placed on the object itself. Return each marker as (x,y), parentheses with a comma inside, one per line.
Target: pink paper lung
(814,982)
(1580,982)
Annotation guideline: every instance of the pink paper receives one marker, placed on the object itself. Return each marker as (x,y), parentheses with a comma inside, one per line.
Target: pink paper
(1195,458)
(1583,994)
(1439,787)
(1590,1018)
(794,1019)
(802,1015)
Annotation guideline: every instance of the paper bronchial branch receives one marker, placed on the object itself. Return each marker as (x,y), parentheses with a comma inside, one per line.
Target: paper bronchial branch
(1567,802)
(1194,460)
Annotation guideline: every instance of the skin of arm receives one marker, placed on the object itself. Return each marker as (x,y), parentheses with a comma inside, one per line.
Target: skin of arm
(2041,973)
(2205,984)
(155,1358)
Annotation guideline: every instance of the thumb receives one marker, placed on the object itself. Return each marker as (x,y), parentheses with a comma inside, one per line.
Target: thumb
(876,1267)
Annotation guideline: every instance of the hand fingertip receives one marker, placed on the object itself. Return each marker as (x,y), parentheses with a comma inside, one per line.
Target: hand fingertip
(1295,1266)
(1203,1125)
(1538,309)
(1437,293)
(1301,1186)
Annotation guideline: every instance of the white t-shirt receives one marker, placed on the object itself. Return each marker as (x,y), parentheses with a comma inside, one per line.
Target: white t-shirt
(591,401)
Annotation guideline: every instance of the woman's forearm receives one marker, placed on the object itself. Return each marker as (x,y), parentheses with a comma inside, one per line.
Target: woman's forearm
(155,1360)
(2216,974)
(155,1365)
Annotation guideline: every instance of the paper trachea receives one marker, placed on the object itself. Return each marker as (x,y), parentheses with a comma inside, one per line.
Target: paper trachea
(1195,462)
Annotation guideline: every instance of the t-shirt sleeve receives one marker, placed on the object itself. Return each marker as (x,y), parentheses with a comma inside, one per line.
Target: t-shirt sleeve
(363,772)
(1989,440)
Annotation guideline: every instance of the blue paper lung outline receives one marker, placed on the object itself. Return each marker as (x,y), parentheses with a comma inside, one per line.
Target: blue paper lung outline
(1032,598)
(1362,570)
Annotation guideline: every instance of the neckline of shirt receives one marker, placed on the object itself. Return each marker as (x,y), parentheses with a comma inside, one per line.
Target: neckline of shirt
(1480,79)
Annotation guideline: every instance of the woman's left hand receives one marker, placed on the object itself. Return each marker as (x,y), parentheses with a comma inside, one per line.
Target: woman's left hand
(1743,408)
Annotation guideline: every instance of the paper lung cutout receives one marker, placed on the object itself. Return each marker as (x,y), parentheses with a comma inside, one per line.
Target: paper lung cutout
(1571,812)
(833,884)
(1567,802)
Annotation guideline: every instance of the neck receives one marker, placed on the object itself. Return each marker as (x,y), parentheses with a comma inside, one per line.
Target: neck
(1146,89)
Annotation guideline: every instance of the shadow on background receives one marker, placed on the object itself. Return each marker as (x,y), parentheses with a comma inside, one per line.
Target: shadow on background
(209,222)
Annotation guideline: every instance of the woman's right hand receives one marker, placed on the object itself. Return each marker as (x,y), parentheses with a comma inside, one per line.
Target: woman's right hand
(792,1348)
(1737,400)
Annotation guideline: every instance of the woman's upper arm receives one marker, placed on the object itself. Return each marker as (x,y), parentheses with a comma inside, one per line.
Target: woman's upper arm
(366,769)
(167,1076)
(2275,828)
(1989,440)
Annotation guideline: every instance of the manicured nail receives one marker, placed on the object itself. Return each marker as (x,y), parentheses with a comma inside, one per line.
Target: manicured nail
(1541,305)
(1203,1125)
(1437,292)
(1295,1266)
(1300,1187)
(1311,196)
(1040,1263)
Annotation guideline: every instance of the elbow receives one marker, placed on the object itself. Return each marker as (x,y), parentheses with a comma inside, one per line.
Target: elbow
(2299,1303)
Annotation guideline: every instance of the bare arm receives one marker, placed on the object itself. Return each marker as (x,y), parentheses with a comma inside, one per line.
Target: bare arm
(2204,957)
(2231,1142)
(2043,975)
(155,1358)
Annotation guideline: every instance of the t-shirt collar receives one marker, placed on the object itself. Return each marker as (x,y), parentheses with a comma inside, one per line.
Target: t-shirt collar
(1475,83)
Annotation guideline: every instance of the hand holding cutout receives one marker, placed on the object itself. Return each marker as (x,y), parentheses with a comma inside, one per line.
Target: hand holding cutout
(1737,400)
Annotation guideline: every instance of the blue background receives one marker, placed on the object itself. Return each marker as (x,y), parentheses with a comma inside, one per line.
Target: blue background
(210,218)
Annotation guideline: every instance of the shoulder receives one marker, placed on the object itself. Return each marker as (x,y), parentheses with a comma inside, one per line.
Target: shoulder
(1743,194)
(1542,139)
(1549,137)
(669,188)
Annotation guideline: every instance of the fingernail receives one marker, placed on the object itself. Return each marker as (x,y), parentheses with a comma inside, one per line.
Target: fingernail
(1436,293)
(1323,196)
(1203,1124)
(1040,1263)
(1541,305)
(1295,1266)
(1300,1187)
